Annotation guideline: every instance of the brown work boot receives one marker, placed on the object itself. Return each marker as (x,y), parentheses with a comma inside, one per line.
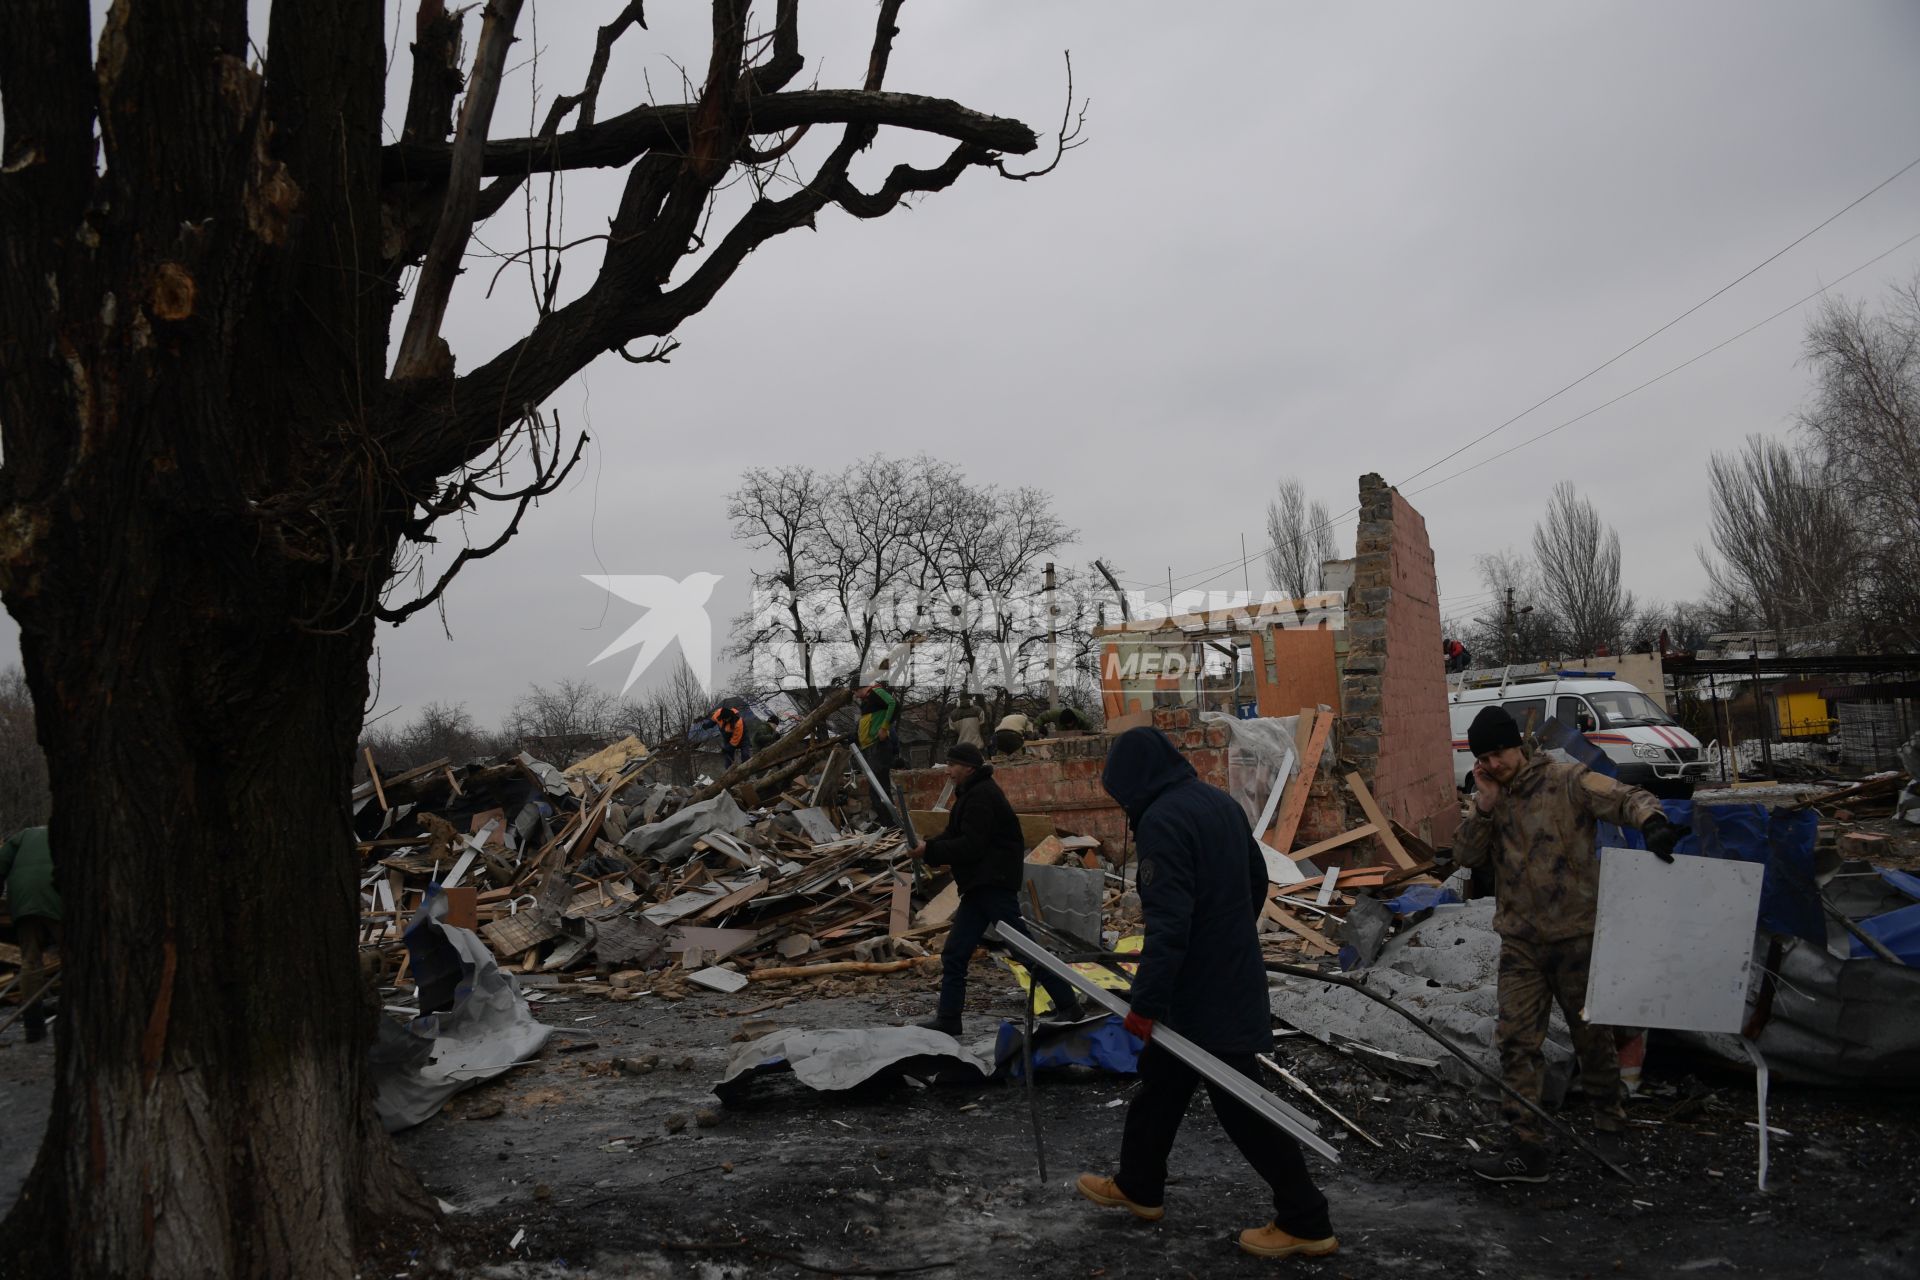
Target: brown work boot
(1271,1242)
(1106,1193)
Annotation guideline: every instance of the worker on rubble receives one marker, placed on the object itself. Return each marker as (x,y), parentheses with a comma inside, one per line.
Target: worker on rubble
(967,721)
(983,844)
(1061,718)
(1011,734)
(734,745)
(877,738)
(1202,881)
(26,872)
(1533,819)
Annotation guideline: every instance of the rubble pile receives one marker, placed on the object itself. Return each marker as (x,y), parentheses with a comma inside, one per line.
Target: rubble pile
(596,879)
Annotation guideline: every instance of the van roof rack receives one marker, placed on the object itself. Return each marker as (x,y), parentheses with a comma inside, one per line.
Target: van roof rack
(1517,673)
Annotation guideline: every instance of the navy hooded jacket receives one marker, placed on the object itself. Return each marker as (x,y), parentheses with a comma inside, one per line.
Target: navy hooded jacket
(1202,881)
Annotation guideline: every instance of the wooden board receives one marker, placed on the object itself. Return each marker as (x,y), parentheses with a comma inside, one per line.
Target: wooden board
(1293,924)
(1294,807)
(1383,828)
(745,893)
(1305,672)
(1360,832)
(936,913)
(1035,827)
(902,905)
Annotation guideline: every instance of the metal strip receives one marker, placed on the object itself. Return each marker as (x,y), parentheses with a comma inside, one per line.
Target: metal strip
(1302,1128)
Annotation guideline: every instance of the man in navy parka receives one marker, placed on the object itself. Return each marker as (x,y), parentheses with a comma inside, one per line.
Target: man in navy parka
(1202,881)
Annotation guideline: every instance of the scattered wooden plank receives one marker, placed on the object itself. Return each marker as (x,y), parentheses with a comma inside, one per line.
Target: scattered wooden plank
(902,906)
(744,894)
(781,973)
(1383,828)
(1360,832)
(936,913)
(1293,924)
(373,776)
(1295,805)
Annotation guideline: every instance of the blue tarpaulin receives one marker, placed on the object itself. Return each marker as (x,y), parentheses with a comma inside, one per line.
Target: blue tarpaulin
(1897,931)
(1780,839)
(1105,1044)
(1416,898)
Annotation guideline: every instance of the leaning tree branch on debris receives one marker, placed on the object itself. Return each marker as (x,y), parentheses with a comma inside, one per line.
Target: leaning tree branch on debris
(206,238)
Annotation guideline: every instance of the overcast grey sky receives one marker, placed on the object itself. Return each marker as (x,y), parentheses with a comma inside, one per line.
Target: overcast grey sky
(1303,239)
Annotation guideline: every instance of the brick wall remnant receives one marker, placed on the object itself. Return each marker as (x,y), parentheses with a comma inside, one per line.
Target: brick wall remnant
(1393,690)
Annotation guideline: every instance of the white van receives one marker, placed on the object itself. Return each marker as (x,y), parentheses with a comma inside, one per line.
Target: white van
(1646,747)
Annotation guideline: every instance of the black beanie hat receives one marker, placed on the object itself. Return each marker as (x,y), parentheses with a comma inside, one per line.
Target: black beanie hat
(1492,730)
(964,753)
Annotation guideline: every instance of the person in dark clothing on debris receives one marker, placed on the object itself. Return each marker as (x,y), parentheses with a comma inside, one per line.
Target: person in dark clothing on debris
(1201,882)
(734,745)
(26,873)
(983,845)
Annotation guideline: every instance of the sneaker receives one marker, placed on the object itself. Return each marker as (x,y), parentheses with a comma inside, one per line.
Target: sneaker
(1271,1242)
(945,1023)
(1106,1193)
(1075,1012)
(1518,1162)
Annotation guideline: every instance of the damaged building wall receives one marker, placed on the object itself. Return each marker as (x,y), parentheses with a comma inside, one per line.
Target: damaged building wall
(1060,777)
(1393,686)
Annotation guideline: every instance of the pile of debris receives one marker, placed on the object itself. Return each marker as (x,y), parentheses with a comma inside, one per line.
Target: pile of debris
(596,879)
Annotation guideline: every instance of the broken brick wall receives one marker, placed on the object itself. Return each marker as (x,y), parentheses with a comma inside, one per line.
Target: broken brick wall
(1393,688)
(1061,777)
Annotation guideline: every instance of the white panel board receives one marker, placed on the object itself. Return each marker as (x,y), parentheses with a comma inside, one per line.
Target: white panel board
(1673,943)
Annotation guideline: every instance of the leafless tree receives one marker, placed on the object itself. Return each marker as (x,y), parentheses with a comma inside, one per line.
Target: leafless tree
(440,730)
(570,708)
(1864,418)
(228,418)
(1578,561)
(1493,638)
(1785,542)
(1299,540)
(780,511)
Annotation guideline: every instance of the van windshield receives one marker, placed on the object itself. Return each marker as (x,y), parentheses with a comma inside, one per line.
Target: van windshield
(1620,708)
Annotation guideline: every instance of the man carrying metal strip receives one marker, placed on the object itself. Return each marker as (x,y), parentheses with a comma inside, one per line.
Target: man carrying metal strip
(1201,883)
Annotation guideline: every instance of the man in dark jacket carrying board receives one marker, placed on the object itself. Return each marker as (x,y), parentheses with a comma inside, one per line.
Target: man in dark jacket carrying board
(1202,880)
(983,845)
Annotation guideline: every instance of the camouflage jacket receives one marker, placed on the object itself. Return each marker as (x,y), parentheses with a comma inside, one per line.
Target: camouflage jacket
(1540,841)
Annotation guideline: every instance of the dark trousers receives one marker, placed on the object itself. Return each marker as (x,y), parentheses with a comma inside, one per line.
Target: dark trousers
(36,934)
(1166,1087)
(1533,978)
(880,757)
(978,912)
(730,753)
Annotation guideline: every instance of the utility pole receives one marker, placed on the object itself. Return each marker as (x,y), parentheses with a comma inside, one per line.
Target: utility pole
(1507,634)
(1053,676)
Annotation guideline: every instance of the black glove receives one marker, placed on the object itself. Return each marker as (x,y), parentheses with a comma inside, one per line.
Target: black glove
(1661,836)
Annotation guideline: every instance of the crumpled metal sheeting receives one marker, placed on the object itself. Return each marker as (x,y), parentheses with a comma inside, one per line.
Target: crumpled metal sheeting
(835,1060)
(486,1028)
(1444,970)
(1834,1021)
(670,841)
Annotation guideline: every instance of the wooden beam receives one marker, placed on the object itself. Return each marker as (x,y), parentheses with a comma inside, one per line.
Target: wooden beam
(1360,832)
(373,776)
(745,893)
(1293,924)
(1295,805)
(1371,807)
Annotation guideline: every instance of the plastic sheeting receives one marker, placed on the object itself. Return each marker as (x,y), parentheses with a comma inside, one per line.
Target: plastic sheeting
(1260,758)
(1898,931)
(836,1060)
(670,841)
(1103,1044)
(474,1023)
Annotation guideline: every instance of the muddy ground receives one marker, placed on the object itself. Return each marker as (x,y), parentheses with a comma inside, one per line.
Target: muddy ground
(587,1167)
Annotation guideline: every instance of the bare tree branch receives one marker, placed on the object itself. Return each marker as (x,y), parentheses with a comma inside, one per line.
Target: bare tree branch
(422,351)
(1068,139)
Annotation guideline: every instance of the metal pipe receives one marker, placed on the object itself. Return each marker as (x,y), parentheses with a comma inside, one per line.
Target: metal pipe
(1872,943)
(1303,1128)
(1274,966)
